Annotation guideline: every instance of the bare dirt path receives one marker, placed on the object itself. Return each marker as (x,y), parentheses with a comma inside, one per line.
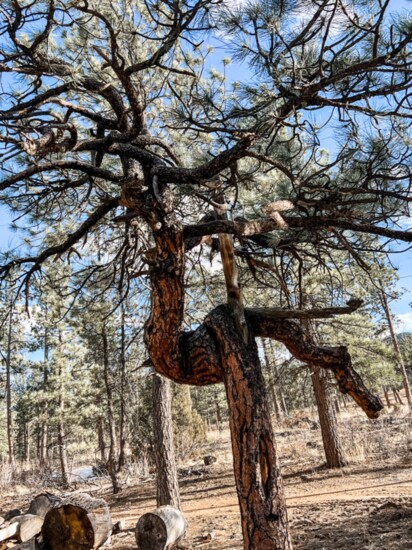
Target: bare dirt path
(365,506)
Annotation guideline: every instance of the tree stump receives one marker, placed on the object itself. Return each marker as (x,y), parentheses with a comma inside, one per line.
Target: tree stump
(160,530)
(78,522)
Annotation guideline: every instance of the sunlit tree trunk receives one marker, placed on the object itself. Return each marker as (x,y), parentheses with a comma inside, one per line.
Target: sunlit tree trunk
(166,471)
(61,428)
(123,374)
(111,461)
(271,381)
(282,398)
(9,404)
(43,449)
(258,481)
(101,440)
(395,344)
(332,444)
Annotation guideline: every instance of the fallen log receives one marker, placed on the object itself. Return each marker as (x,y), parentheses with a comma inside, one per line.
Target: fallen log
(160,530)
(9,532)
(42,503)
(79,521)
(31,544)
(23,528)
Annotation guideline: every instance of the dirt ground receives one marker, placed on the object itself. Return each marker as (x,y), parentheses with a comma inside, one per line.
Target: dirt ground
(365,506)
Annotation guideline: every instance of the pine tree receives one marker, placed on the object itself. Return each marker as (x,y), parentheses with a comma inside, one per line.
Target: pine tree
(132,135)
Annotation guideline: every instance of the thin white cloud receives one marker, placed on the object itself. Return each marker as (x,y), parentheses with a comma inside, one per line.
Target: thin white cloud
(404,322)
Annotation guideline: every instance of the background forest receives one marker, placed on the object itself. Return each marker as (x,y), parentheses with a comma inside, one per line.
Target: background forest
(73,378)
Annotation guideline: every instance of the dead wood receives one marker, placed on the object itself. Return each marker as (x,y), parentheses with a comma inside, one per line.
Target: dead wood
(79,521)
(160,530)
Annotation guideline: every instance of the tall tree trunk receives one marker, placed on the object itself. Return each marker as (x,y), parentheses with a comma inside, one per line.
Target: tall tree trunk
(111,462)
(258,480)
(9,404)
(218,412)
(43,454)
(123,412)
(257,475)
(26,439)
(271,382)
(101,441)
(278,381)
(61,428)
(395,344)
(61,442)
(332,445)
(166,471)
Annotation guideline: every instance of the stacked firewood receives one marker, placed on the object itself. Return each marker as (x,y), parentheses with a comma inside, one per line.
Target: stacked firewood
(80,521)
(57,523)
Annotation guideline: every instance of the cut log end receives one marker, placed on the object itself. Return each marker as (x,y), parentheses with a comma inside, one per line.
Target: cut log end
(160,530)
(78,523)
(29,526)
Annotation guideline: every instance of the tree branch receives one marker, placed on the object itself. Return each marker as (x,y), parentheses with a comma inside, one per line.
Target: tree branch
(301,346)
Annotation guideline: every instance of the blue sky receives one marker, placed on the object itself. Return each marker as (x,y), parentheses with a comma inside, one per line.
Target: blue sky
(403,262)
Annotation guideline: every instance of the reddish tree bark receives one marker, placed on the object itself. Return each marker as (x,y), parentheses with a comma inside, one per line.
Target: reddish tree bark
(223,348)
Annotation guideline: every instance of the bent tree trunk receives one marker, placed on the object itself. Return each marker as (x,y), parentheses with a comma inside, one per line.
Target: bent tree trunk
(217,351)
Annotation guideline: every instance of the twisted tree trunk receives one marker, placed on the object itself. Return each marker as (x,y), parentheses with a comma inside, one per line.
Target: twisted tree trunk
(223,349)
